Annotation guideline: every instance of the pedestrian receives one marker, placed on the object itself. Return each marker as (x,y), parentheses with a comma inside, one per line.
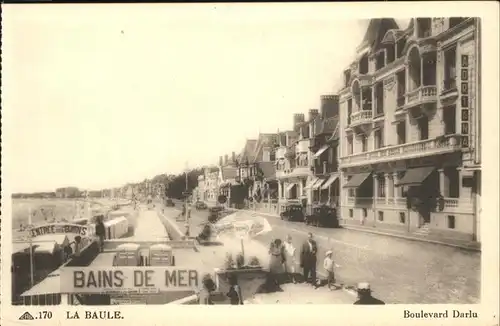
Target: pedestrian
(234,292)
(329,266)
(276,261)
(78,246)
(208,286)
(365,296)
(100,231)
(308,259)
(290,259)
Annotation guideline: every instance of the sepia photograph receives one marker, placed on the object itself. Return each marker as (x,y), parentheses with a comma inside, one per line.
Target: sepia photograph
(208,155)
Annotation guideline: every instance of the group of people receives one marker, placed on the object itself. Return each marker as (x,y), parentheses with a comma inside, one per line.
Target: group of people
(284,258)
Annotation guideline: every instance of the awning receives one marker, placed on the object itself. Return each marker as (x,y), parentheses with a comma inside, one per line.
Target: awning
(49,285)
(290,186)
(357,180)
(311,183)
(321,151)
(330,180)
(415,177)
(318,184)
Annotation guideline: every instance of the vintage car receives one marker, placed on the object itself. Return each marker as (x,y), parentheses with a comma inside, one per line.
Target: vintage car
(214,213)
(293,212)
(323,216)
(200,205)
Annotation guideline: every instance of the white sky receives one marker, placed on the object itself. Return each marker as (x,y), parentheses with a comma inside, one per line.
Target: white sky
(93,107)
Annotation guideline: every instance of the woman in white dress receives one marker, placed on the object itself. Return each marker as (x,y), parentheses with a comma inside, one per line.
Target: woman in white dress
(290,260)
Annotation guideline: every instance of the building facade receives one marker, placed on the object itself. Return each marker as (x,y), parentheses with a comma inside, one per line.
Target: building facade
(325,187)
(410,114)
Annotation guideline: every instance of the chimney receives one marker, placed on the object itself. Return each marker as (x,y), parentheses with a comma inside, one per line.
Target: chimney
(233,157)
(313,113)
(226,159)
(220,160)
(329,106)
(298,118)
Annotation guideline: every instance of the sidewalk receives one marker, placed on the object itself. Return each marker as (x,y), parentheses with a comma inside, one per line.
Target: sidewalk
(466,245)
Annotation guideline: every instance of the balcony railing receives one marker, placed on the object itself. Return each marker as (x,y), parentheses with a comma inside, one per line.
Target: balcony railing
(361,201)
(421,94)
(361,117)
(449,85)
(439,145)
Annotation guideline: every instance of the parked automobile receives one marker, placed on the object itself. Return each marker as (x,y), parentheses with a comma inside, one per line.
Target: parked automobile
(293,212)
(170,203)
(200,205)
(214,213)
(323,216)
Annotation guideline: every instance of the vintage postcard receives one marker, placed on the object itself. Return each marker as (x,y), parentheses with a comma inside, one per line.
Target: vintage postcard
(294,159)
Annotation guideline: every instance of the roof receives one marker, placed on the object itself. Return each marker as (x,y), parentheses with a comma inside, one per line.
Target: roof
(248,152)
(264,140)
(377,28)
(268,169)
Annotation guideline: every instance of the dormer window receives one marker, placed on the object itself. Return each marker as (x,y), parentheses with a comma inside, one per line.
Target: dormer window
(400,45)
(363,65)
(380,60)
(347,77)
(424,27)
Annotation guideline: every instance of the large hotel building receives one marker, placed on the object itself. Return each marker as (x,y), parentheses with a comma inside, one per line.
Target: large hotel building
(410,129)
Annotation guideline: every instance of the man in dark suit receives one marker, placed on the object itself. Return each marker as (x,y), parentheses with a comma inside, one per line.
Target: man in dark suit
(308,259)
(365,296)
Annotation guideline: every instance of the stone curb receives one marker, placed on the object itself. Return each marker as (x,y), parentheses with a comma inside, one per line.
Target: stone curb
(464,247)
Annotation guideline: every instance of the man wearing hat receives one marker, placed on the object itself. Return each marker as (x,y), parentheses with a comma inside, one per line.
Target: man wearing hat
(365,295)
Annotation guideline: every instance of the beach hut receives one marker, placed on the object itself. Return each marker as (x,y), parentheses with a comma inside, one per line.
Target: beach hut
(127,254)
(161,255)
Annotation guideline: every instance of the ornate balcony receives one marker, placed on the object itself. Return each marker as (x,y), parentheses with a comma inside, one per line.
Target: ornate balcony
(421,95)
(428,147)
(361,117)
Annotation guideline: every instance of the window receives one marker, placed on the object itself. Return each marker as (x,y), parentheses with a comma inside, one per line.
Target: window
(400,45)
(456,20)
(380,60)
(347,77)
(452,178)
(401,78)
(381,216)
(349,111)
(381,186)
(363,65)
(402,217)
(364,143)
(351,213)
(401,131)
(423,127)
(424,27)
(379,99)
(451,221)
(350,146)
(449,119)
(379,138)
(390,52)
(450,61)
(351,192)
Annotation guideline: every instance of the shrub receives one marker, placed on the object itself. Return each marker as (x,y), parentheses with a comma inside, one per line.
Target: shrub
(229,263)
(240,260)
(254,261)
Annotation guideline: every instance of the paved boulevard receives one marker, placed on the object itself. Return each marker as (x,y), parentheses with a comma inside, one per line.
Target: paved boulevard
(400,271)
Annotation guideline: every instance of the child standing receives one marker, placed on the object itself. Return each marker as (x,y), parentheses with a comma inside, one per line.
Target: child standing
(329,266)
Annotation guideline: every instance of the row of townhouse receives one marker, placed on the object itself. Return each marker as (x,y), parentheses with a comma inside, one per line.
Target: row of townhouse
(396,148)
